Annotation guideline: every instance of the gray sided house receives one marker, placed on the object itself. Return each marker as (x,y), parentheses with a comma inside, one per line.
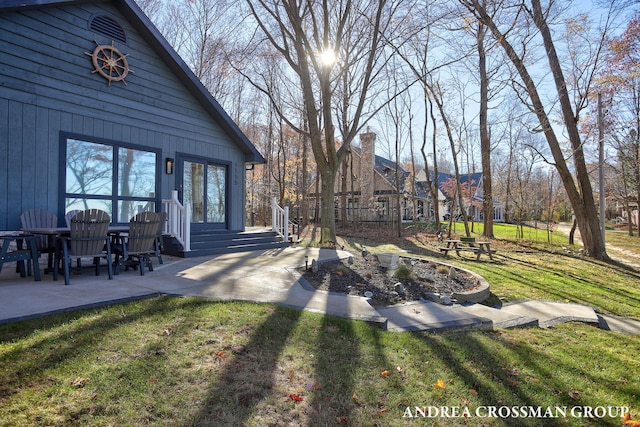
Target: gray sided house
(98,111)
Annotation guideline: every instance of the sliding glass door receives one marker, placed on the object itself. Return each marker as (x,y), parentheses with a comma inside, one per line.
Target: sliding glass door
(203,184)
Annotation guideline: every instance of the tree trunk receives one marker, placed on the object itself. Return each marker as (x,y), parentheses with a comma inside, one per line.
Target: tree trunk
(485,141)
(343,193)
(327,209)
(447,127)
(305,183)
(572,233)
(433,186)
(580,195)
(585,207)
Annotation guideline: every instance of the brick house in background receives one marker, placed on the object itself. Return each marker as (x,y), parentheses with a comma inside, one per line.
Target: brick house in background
(371,188)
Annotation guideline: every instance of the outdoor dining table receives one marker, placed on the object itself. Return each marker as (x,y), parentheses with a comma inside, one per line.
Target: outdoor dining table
(20,255)
(64,231)
(54,232)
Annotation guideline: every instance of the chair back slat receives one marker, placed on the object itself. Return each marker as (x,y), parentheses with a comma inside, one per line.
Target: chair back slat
(88,232)
(162,216)
(143,229)
(39,218)
(69,215)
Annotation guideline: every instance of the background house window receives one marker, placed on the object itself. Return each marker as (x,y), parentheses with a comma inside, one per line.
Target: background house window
(353,206)
(118,179)
(382,207)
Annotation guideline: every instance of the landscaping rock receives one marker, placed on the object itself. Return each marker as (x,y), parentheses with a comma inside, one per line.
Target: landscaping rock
(367,275)
(388,260)
(445,300)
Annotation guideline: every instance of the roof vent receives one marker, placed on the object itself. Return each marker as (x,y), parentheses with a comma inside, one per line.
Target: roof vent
(109,27)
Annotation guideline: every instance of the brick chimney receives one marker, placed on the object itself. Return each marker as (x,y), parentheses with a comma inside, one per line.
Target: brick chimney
(367,165)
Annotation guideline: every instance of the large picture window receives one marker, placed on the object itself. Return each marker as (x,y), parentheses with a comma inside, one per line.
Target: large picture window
(121,180)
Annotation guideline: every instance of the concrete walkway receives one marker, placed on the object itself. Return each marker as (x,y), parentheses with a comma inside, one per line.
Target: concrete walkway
(271,276)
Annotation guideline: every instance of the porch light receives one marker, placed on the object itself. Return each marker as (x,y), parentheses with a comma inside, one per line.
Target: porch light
(169,163)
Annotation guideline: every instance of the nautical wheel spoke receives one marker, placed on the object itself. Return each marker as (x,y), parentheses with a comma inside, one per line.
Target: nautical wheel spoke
(110,63)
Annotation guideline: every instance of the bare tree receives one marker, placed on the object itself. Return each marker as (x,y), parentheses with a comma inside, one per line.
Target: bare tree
(619,86)
(580,193)
(485,140)
(437,95)
(336,52)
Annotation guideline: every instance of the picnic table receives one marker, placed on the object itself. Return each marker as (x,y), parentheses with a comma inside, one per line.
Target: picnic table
(458,246)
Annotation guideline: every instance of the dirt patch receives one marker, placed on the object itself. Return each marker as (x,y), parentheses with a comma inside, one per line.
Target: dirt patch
(411,280)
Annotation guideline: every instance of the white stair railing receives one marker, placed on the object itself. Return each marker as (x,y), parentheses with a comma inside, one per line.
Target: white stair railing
(178,222)
(280,220)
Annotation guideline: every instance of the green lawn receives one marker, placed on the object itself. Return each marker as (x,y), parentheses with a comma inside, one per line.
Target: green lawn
(184,361)
(621,239)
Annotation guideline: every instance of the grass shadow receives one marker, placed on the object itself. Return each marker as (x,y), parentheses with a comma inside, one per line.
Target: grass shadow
(518,375)
(248,376)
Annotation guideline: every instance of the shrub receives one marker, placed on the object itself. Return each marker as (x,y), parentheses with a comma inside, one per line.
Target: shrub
(403,271)
(442,269)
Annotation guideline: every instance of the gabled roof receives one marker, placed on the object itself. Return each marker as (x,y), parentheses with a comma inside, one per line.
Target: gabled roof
(159,44)
(473,178)
(387,169)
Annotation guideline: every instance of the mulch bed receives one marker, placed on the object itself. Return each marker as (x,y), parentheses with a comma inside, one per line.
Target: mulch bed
(419,279)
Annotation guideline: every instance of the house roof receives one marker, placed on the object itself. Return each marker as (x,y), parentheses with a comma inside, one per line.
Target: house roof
(387,169)
(473,178)
(161,46)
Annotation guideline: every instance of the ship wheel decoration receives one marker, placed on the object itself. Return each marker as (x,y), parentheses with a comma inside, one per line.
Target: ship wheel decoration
(110,63)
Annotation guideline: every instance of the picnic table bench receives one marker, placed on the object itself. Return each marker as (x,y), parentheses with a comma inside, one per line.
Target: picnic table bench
(458,246)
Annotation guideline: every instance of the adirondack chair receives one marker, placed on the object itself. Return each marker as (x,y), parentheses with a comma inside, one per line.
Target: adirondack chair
(69,215)
(88,237)
(137,246)
(158,242)
(40,218)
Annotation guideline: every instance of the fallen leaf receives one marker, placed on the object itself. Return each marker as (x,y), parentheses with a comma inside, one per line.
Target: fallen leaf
(355,399)
(399,370)
(341,420)
(221,354)
(512,371)
(472,391)
(626,420)
(79,382)
(295,397)
(575,395)
(440,384)
(385,374)
(153,380)
(381,410)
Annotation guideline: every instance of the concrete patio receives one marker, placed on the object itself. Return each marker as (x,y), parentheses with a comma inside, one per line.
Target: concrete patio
(271,276)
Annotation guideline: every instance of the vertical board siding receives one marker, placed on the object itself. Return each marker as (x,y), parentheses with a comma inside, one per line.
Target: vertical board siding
(4,159)
(47,87)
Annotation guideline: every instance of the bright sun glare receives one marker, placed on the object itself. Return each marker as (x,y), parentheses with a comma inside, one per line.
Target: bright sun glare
(328,57)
